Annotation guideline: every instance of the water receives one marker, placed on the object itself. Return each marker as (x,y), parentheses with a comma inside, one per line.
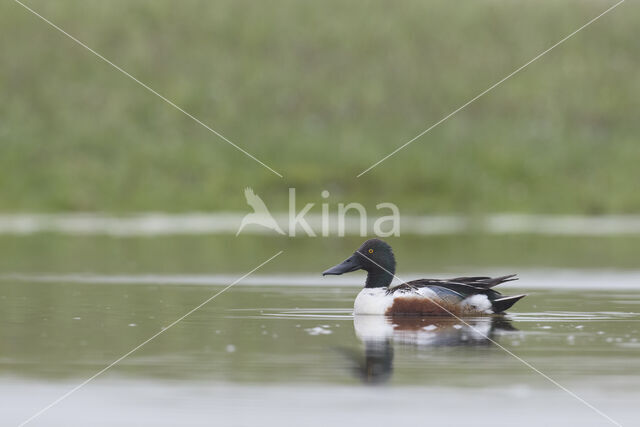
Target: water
(269,354)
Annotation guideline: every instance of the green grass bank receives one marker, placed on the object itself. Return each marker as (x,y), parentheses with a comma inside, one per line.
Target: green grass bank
(320,91)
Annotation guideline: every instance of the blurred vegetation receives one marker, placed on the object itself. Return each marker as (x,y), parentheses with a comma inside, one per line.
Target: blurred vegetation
(320,91)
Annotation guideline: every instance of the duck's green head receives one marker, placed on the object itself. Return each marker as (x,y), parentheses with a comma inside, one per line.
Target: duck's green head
(376,258)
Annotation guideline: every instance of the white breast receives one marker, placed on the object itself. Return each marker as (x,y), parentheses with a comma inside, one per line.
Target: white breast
(376,300)
(372,301)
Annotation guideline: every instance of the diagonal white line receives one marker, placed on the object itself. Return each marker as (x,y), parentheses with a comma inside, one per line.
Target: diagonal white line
(493,86)
(529,365)
(175,322)
(168,101)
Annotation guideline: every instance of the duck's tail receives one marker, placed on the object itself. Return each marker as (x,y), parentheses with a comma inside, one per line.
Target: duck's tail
(502,304)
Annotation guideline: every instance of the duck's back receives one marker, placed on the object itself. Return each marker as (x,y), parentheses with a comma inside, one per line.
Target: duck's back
(462,296)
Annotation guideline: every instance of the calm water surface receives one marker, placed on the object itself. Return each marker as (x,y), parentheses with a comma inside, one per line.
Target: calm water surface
(295,355)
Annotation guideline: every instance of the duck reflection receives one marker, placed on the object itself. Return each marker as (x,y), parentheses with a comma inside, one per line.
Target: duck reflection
(380,333)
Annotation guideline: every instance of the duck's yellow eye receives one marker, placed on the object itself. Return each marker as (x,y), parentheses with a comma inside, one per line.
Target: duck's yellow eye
(370,251)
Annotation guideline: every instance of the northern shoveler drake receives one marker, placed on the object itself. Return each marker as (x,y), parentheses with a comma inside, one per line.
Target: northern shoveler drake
(460,296)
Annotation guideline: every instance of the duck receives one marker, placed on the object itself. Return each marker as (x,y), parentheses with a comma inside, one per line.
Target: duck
(456,297)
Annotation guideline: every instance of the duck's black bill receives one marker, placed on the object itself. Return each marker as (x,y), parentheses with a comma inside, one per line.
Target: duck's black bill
(351,264)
